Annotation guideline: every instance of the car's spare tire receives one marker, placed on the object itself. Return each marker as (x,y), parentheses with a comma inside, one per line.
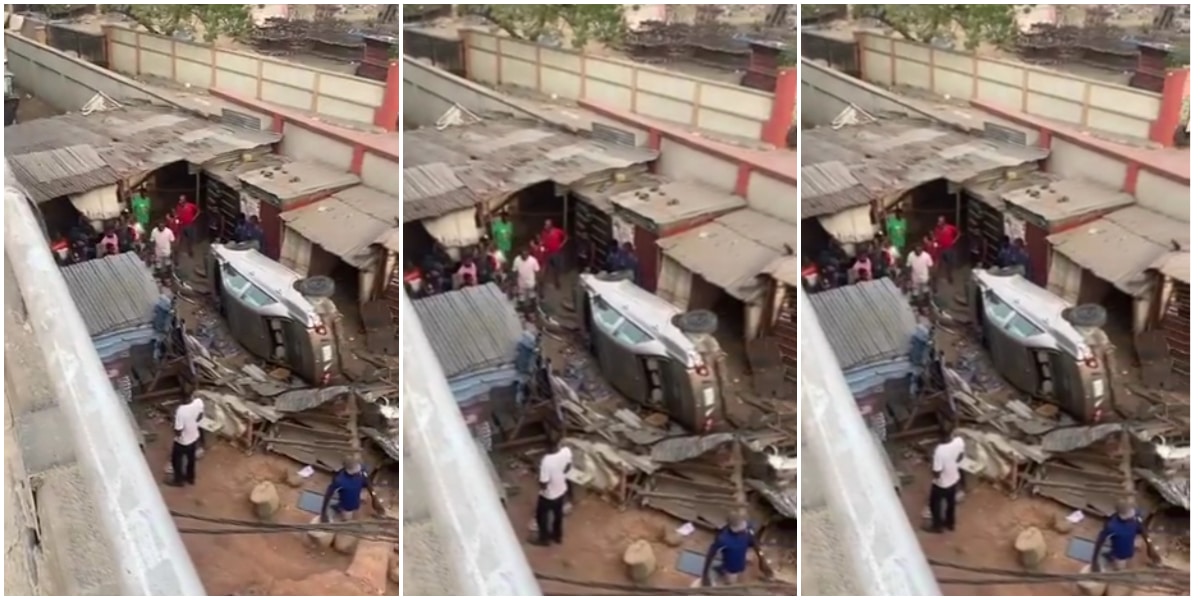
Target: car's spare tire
(1086,315)
(319,286)
(696,321)
(614,276)
(239,245)
(1004,271)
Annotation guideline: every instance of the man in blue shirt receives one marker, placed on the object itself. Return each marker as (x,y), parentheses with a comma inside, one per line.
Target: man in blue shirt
(734,541)
(347,486)
(1122,529)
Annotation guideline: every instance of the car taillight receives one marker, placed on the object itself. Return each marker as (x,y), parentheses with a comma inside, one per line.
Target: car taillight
(708,425)
(1097,415)
(1091,362)
(321,330)
(702,370)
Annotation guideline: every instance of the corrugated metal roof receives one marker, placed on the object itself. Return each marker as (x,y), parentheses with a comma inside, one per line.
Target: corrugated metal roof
(992,191)
(433,190)
(828,188)
(1121,246)
(674,202)
(112,293)
(1054,202)
(733,250)
(866,322)
(470,329)
(76,153)
(598,191)
(1176,265)
(348,223)
(889,157)
(785,269)
(496,157)
(299,179)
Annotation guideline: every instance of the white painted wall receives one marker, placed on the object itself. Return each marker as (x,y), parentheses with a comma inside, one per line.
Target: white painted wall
(304,145)
(381,173)
(1072,160)
(65,82)
(686,164)
(1163,195)
(826,92)
(773,197)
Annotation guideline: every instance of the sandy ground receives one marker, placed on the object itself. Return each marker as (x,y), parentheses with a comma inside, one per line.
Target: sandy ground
(252,564)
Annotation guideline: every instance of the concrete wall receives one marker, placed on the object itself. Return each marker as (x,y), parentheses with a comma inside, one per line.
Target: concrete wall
(1163,195)
(1072,160)
(679,161)
(63,81)
(429,92)
(641,89)
(773,197)
(1033,90)
(285,83)
(825,93)
(381,174)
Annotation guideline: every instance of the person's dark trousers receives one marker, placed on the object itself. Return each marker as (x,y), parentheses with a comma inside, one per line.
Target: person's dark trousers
(550,519)
(183,462)
(941,506)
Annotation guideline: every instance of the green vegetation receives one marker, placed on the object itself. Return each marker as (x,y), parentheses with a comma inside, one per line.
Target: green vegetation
(587,22)
(975,23)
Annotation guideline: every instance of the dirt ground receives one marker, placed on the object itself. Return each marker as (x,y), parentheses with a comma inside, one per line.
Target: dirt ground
(250,564)
(596,534)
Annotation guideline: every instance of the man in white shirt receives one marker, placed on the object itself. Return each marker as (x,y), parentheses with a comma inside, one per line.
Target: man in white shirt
(187,440)
(527,268)
(920,264)
(552,477)
(946,477)
(163,239)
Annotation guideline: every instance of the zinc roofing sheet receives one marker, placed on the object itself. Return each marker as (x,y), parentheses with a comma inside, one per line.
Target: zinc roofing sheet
(434,189)
(499,156)
(674,202)
(76,153)
(733,250)
(112,293)
(294,180)
(470,329)
(891,156)
(866,322)
(1121,246)
(348,223)
(1058,201)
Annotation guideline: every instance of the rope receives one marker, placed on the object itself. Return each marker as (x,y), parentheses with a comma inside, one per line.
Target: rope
(751,589)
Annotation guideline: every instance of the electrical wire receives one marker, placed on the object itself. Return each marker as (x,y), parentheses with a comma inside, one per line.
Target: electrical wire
(1167,579)
(749,589)
(387,530)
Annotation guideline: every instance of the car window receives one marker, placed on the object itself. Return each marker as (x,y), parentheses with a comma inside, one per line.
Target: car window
(233,281)
(255,296)
(632,334)
(1022,327)
(605,316)
(998,310)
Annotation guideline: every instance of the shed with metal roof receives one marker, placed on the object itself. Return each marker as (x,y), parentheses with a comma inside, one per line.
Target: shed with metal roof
(115,296)
(474,331)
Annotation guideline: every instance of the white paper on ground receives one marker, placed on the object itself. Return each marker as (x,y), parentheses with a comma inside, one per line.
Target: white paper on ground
(686,529)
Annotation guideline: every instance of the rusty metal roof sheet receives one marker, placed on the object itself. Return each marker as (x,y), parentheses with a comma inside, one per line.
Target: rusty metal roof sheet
(499,156)
(866,322)
(828,188)
(470,329)
(891,156)
(731,251)
(294,180)
(112,293)
(1058,201)
(1121,246)
(348,223)
(673,202)
(434,189)
(76,153)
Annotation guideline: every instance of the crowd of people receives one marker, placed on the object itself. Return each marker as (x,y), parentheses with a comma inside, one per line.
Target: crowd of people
(932,258)
(520,269)
(158,245)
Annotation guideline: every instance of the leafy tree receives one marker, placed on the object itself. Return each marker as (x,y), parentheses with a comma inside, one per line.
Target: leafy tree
(168,19)
(587,22)
(976,23)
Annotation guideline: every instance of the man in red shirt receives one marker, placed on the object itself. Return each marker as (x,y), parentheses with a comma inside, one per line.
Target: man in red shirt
(946,236)
(553,239)
(187,211)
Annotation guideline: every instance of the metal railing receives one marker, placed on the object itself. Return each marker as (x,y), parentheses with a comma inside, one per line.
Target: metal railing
(465,505)
(874,526)
(146,545)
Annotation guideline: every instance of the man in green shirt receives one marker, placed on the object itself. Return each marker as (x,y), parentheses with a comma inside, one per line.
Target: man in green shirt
(502,233)
(140,206)
(897,229)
